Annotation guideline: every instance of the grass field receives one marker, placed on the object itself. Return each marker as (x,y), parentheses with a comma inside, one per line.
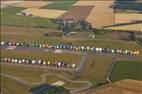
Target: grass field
(127,70)
(7,85)
(13,34)
(126,86)
(9,17)
(61,5)
(131,6)
(68,58)
(96,69)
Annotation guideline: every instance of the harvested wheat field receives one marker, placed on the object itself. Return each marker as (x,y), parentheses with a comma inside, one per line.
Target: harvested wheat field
(127,17)
(7,3)
(33,4)
(77,12)
(121,87)
(101,14)
(46,13)
(10,2)
(93,3)
(131,27)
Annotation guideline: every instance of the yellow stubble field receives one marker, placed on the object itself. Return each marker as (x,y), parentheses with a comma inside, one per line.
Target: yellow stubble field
(45,13)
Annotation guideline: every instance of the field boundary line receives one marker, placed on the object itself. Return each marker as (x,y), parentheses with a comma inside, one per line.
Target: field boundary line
(110,71)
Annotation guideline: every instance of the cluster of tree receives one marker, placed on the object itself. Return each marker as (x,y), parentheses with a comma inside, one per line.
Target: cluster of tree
(69,25)
(49,89)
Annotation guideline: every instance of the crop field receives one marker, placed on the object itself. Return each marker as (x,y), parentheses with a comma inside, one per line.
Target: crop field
(77,12)
(45,13)
(127,70)
(60,5)
(122,87)
(8,16)
(127,17)
(100,11)
(91,68)
(131,27)
(33,4)
(133,6)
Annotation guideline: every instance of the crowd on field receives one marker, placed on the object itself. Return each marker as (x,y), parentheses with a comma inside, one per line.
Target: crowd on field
(56,64)
(71,47)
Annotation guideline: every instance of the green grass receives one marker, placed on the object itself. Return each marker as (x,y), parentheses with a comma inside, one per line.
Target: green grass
(127,70)
(10,86)
(49,56)
(22,34)
(9,17)
(96,72)
(60,5)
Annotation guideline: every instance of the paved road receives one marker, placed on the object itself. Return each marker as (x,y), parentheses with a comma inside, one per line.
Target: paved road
(82,65)
(70,51)
(78,70)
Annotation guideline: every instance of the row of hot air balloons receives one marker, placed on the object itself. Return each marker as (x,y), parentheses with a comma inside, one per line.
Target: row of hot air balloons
(37,62)
(71,47)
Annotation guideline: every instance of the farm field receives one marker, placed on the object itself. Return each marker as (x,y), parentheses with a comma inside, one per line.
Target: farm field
(45,13)
(77,12)
(60,5)
(133,6)
(132,27)
(32,4)
(8,16)
(97,31)
(101,10)
(121,87)
(127,70)
(127,17)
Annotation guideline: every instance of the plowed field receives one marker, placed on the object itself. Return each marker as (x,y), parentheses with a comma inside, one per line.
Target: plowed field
(77,12)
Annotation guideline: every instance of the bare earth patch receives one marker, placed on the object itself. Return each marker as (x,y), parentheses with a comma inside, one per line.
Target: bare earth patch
(101,15)
(77,12)
(46,13)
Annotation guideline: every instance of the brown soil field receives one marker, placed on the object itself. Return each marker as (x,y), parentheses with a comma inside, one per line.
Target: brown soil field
(127,17)
(33,4)
(121,87)
(46,13)
(77,12)
(101,14)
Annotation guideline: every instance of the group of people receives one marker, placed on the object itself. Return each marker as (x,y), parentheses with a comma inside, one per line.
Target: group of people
(71,47)
(56,64)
